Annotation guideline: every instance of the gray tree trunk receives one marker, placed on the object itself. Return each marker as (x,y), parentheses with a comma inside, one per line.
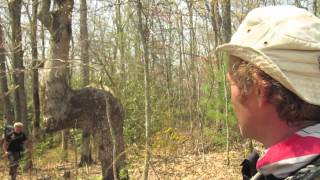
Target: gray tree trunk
(120,42)
(212,12)
(35,74)
(144,37)
(18,76)
(19,70)
(226,10)
(7,106)
(227,36)
(65,135)
(86,157)
(85,108)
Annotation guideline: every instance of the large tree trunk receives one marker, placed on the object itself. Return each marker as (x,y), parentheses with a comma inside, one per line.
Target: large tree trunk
(86,108)
(85,148)
(18,77)
(4,92)
(35,74)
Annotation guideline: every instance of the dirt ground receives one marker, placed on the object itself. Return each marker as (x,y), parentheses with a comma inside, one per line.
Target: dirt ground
(193,167)
(164,166)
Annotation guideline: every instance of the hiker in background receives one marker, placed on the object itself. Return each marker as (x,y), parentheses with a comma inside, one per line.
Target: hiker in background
(13,147)
(274,73)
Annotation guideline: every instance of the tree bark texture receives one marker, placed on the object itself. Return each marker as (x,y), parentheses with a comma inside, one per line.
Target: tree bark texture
(20,105)
(226,10)
(35,74)
(19,71)
(86,157)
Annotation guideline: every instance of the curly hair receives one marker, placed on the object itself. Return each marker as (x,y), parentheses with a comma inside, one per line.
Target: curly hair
(289,106)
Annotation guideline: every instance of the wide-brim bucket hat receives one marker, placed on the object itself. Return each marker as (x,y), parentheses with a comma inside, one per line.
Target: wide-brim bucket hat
(284,42)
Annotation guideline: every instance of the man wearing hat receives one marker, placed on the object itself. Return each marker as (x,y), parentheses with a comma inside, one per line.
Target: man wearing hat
(13,146)
(274,73)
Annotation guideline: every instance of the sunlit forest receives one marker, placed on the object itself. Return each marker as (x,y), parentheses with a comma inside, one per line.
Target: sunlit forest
(123,89)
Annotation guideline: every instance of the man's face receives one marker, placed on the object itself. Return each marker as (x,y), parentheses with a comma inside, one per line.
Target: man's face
(246,110)
(18,129)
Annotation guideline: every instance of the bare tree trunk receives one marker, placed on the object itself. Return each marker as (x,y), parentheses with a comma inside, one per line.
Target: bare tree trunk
(84,41)
(144,37)
(216,21)
(65,135)
(226,112)
(85,108)
(57,90)
(213,20)
(226,10)
(181,59)
(121,47)
(114,140)
(4,91)
(227,36)
(35,74)
(192,69)
(217,28)
(18,77)
(86,157)
(42,86)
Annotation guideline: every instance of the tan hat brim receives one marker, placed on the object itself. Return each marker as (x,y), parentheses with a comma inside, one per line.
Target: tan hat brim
(305,86)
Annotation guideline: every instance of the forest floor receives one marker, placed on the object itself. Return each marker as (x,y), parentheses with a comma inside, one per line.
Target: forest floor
(187,167)
(169,163)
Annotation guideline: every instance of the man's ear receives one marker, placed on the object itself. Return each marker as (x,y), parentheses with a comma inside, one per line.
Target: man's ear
(261,91)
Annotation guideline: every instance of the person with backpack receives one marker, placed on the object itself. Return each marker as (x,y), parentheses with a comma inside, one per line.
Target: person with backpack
(14,146)
(274,75)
